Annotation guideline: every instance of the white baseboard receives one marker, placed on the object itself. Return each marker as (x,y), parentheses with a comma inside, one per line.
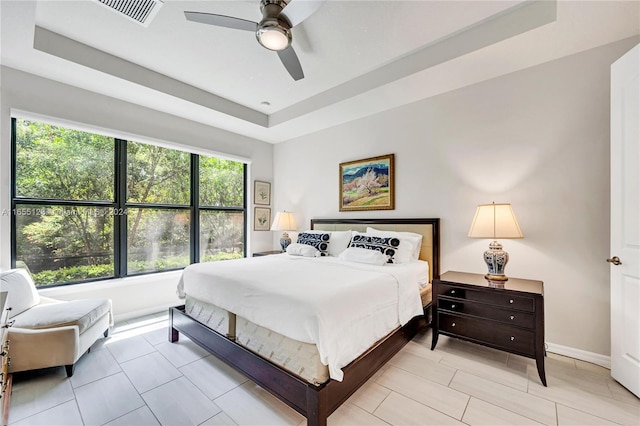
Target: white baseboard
(594,358)
(143,312)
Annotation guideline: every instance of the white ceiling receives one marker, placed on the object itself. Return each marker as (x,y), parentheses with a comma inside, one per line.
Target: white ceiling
(359,57)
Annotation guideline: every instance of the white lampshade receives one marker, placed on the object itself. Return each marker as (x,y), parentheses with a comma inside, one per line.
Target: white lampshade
(283,221)
(495,221)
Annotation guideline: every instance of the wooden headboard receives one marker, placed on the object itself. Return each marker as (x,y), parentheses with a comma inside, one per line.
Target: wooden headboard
(428,228)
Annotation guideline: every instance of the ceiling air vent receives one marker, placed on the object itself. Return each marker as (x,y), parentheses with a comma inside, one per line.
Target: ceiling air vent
(140,11)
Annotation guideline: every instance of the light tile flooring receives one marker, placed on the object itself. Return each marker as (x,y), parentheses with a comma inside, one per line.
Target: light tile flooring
(136,377)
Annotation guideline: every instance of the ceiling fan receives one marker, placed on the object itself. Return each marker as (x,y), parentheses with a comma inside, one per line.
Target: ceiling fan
(273,31)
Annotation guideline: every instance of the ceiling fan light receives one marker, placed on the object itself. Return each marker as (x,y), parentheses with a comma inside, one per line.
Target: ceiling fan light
(274,37)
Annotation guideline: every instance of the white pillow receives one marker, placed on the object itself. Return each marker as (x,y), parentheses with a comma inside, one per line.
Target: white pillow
(410,244)
(338,241)
(362,255)
(305,250)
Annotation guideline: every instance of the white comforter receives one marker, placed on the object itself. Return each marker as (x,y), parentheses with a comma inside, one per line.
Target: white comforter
(341,307)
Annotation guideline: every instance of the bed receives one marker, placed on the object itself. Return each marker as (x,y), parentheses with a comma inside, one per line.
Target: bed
(243,342)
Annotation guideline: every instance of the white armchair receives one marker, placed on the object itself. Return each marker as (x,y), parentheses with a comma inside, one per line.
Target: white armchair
(47,332)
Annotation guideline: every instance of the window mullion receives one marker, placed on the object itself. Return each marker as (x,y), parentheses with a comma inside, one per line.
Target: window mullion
(14,174)
(244,205)
(195,209)
(120,220)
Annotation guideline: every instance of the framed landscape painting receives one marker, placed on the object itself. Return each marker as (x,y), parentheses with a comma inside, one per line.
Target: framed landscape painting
(367,184)
(261,218)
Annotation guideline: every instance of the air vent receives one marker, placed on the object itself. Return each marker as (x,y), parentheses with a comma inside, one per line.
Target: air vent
(140,11)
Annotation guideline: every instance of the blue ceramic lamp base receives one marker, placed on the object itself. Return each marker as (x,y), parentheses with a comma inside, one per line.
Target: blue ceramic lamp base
(285,241)
(496,260)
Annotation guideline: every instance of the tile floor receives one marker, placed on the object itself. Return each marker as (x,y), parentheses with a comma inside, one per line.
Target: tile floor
(136,377)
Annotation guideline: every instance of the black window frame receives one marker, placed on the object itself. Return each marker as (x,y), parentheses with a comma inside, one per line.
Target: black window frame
(120,204)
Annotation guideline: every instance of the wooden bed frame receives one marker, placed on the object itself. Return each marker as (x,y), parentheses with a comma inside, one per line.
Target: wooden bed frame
(315,402)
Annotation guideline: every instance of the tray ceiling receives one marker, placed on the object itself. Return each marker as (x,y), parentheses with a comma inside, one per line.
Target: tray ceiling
(359,57)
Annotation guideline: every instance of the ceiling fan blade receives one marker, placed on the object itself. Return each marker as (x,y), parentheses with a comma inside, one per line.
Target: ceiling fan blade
(291,63)
(221,21)
(299,10)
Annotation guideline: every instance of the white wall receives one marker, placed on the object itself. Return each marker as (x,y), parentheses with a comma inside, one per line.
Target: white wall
(538,139)
(27,92)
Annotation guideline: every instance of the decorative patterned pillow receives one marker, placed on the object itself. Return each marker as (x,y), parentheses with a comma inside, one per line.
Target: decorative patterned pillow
(410,244)
(386,245)
(339,240)
(319,241)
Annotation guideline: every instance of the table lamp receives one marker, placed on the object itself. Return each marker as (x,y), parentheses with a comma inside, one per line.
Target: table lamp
(284,221)
(495,221)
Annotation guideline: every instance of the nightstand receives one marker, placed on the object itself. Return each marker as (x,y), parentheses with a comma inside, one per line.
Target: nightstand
(510,318)
(266,253)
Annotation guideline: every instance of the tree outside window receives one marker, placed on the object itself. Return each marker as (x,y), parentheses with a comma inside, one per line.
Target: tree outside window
(68,213)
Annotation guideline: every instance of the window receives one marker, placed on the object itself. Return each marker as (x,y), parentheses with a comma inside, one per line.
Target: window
(220,194)
(158,227)
(87,206)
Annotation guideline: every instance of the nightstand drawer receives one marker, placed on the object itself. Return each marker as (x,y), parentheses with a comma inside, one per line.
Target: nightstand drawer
(512,339)
(496,297)
(507,316)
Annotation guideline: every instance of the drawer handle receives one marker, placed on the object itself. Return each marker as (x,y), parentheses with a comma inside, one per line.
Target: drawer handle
(510,300)
(453,292)
(512,317)
(453,324)
(513,338)
(453,306)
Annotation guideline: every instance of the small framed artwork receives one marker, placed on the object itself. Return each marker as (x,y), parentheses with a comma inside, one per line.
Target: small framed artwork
(261,193)
(261,219)
(367,184)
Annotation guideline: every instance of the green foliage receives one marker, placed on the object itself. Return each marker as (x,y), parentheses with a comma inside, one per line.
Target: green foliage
(221,231)
(65,243)
(161,264)
(159,230)
(221,182)
(157,175)
(177,262)
(64,164)
(221,256)
(79,273)
(74,273)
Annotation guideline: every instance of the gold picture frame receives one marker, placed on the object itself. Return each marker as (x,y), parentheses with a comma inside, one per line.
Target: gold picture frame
(368,184)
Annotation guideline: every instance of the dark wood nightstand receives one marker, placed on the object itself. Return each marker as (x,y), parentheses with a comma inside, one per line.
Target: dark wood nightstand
(266,253)
(510,318)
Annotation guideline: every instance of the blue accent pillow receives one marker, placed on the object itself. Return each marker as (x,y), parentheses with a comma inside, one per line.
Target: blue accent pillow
(386,245)
(319,241)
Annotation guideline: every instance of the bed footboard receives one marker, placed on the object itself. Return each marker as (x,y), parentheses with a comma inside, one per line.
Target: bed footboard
(316,403)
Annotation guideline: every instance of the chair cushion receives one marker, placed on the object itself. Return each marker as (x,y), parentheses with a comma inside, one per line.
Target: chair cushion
(22,292)
(83,313)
